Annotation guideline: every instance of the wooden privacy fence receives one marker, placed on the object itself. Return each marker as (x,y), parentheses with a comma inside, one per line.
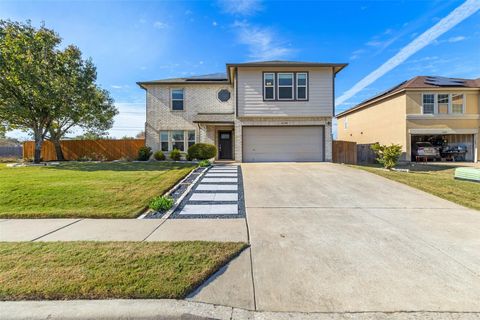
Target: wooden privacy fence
(344,152)
(94,149)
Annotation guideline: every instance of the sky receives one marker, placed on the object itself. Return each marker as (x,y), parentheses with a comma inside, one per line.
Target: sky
(384,42)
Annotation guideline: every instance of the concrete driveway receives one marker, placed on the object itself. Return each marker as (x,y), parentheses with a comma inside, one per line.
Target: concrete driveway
(329,238)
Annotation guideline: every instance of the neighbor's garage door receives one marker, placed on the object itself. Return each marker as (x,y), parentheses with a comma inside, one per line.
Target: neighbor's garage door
(283,143)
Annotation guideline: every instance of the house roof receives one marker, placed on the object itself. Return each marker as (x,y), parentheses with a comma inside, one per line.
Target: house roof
(419,82)
(285,63)
(224,77)
(206,78)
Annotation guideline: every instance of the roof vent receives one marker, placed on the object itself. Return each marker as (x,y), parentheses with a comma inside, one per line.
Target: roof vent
(444,82)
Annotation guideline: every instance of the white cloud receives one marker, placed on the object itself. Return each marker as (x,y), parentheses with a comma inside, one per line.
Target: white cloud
(214,23)
(456,39)
(241,7)
(160,25)
(455,17)
(263,43)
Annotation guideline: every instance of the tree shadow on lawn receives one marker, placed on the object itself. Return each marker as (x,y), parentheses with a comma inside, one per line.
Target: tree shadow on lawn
(120,166)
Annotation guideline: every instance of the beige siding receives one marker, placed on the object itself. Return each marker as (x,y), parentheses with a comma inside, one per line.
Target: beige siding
(414,100)
(250,94)
(383,122)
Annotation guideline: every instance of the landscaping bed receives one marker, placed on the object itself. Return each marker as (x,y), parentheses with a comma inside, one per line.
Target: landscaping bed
(108,270)
(86,189)
(435,179)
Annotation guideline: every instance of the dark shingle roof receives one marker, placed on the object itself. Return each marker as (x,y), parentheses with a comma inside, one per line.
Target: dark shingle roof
(418,82)
(213,77)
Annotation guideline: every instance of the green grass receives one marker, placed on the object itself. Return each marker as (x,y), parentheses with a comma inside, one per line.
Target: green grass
(87,190)
(435,179)
(107,270)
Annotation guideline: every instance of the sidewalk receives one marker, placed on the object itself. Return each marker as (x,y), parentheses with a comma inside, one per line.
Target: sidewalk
(123,230)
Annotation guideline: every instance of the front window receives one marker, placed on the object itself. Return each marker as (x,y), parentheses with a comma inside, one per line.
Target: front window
(177,100)
(191,138)
(428,104)
(178,140)
(164,140)
(302,83)
(457,103)
(269,86)
(443,102)
(285,86)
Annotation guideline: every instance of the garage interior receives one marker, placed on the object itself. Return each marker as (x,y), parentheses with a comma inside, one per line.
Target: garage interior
(452,147)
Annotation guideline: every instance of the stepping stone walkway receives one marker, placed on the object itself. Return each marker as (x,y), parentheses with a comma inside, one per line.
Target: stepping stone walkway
(218,194)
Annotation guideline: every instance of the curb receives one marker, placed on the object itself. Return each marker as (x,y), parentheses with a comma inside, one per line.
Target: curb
(164,309)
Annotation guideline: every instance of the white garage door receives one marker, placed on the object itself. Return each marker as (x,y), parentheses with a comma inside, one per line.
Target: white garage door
(283,143)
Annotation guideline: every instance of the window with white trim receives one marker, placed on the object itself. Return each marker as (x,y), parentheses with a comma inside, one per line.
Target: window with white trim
(177,99)
(269,86)
(302,85)
(457,103)
(428,103)
(285,86)
(443,101)
(178,141)
(164,140)
(191,138)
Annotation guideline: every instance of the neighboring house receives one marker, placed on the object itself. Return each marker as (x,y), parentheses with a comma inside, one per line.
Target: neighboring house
(443,111)
(259,111)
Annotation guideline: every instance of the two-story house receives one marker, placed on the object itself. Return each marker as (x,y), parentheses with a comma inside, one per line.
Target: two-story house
(442,111)
(258,111)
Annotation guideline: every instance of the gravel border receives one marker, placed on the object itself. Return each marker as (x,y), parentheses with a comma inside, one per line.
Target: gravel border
(177,192)
(241,200)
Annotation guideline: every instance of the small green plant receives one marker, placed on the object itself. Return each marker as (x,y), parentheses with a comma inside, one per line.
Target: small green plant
(175,155)
(204,163)
(161,203)
(144,153)
(202,151)
(387,155)
(159,156)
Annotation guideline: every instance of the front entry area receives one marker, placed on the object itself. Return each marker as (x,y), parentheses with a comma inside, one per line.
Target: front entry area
(283,143)
(225,146)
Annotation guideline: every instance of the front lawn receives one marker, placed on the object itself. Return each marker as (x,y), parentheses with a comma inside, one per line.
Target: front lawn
(87,190)
(107,270)
(435,179)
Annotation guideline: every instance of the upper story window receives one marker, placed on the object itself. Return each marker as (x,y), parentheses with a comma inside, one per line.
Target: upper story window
(428,104)
(457,103)
(443,103)
(269,86)
(302,79)
(177,96)
(285,86)
(223,95)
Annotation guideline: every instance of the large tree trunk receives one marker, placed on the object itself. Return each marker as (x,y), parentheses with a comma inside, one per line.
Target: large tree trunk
(58,150)
(38,148)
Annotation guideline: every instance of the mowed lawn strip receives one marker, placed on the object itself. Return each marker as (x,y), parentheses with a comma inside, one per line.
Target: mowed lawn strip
(437,180)
(103,270)
(85,190)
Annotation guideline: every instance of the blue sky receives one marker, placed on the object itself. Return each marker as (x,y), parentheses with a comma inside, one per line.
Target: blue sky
(130,41)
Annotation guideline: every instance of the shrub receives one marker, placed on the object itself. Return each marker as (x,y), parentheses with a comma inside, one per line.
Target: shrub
(202,151)
(387,155)
(204,163)
(144,153)
(161,203)
(175,155)
(159,156)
